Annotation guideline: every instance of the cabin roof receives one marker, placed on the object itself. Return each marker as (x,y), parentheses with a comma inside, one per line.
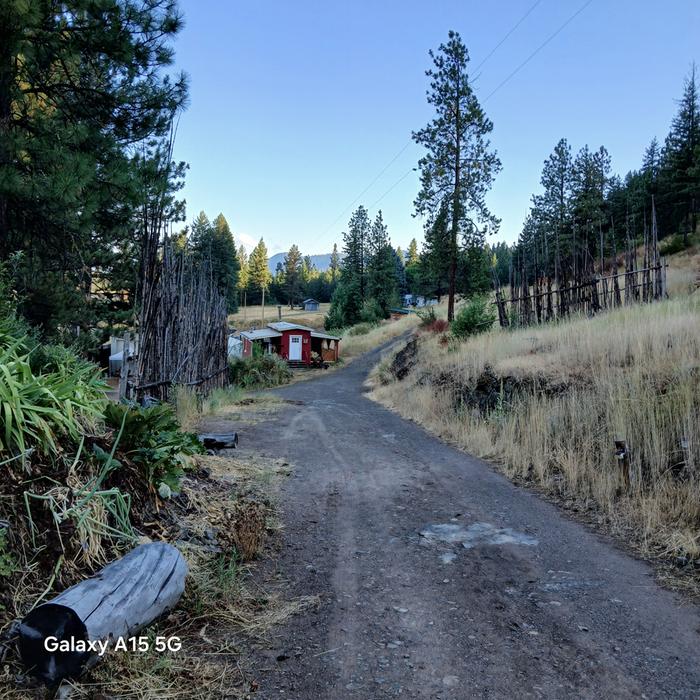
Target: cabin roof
(324,336)
(285,326)
(311,300)
(260,333)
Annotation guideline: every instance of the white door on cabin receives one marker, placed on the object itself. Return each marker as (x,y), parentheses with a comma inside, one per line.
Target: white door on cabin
(295,347)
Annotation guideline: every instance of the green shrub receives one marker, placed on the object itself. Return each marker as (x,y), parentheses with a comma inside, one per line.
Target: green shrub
(476,316)
(371,311)
(671,245)
(361,329)
(151,438)
(259,372)
(427,316)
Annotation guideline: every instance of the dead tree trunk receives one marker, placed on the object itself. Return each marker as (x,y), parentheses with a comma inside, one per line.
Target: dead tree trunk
(124,597)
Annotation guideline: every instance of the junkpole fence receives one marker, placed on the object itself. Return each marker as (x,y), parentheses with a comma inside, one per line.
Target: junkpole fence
(542,298)
(182,329)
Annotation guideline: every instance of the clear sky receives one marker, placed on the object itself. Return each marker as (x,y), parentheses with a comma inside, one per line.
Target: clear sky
(297,107)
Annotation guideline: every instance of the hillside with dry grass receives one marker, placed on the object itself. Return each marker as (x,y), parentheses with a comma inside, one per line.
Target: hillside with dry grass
(547,404)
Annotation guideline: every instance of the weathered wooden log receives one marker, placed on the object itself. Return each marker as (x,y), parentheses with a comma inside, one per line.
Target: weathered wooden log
(219,441)
(124,597)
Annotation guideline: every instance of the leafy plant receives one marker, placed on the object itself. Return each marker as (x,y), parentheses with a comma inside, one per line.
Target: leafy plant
(361,329)
(475,317)
(38,409)
(371,311)
(426,316)
(257,372)
(8,565)
(151,438)
(672,244)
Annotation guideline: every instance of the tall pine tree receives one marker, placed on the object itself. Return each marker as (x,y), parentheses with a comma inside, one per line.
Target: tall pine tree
(460,163)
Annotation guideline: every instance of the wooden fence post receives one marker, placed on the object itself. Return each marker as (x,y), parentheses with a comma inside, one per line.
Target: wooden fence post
(124,370)
(622,454)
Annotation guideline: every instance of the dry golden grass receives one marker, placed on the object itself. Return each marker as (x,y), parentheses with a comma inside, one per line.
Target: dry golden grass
(354,345)
(632,374)
(253,316)
(683,272)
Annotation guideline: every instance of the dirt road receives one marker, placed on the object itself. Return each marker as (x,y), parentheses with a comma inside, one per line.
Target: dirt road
(501,595)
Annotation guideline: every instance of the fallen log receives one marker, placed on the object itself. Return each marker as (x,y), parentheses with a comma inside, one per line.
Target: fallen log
(124,597)
(219,441)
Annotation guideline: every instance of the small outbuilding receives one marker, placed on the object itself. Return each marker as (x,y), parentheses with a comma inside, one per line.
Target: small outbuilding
(299,345)
(311,305)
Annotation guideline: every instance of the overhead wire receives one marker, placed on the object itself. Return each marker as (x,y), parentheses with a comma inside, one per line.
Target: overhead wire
(493,92)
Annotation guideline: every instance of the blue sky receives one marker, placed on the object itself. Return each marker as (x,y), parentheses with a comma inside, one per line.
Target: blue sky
(296,107)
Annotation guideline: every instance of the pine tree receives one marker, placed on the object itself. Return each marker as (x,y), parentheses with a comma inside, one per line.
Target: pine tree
(556,201)
(258,271)
(413,269)
(334,267)
(382,281)
(355,250)
(436,257)
(213,243)
(681,161)
(412,258)
(459,163)
(81,85)
(243,278)
(292,275)
(400,272)
(349,295)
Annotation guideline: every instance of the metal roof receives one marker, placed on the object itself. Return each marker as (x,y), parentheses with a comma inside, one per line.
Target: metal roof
(260,333)
(284,326)
(325,336)
(315,301)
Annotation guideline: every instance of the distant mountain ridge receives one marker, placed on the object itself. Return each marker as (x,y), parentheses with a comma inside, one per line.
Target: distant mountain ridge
(321,262)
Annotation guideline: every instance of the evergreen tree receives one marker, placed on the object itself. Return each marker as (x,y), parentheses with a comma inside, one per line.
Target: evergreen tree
(382,282)
(459,163)
(681,161)
(412,258)
(334,267)
(556,203)
(258,271)
(243,275)
(213,242)
(81,84)
(414,269)
(436,257)
(400,272)
(349,295)
(355,250)
(292,276)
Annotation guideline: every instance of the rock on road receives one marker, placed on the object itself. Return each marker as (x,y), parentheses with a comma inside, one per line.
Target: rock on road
(438,578)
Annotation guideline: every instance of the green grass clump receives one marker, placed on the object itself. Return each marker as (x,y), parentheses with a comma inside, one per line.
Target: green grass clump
(40,405)
(259,372)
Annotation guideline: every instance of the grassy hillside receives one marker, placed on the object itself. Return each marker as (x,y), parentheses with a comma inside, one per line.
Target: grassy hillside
(547,404)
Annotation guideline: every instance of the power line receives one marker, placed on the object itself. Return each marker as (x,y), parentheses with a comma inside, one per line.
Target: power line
(493,92)
(354,201)
(401,179)
(503,40)
(406,145)
(503,82)
(538,49)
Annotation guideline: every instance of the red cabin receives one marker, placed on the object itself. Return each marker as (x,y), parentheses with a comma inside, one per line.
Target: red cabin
(299,345)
